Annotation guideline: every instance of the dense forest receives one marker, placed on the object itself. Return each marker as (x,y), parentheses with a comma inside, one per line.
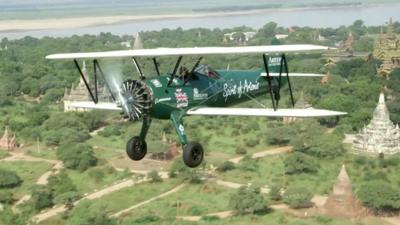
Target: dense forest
(31,90)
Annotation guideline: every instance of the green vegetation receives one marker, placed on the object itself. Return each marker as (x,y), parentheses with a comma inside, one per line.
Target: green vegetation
(77,156)
(248,200)
(298,197)
(28,172)
(83,214)
(9,179)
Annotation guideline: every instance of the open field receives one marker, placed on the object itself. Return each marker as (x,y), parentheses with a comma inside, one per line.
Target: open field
(29,172)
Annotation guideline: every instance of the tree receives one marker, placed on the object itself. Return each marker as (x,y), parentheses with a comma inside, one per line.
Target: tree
(7,217)
(41,198)
(77,156)
(275,192)
(226,166)
(248,200)
(6,197)
(298,197)
(380,196)
(9,179)
(299,162)
(60,184)
(154,177)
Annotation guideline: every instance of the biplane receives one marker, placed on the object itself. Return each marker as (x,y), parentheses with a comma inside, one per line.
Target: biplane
(199,90)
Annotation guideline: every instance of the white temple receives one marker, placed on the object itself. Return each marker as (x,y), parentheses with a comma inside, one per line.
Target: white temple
(80,94)
(381,135)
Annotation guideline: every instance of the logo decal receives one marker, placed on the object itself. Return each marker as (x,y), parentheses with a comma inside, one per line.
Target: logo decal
(181,98)
(181,129)
(162,100)
(274,61)
(239,89)
(199,96)
(156,83)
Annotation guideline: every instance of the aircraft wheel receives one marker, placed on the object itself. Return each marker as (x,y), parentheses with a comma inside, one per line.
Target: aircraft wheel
(136,148)
(193,154)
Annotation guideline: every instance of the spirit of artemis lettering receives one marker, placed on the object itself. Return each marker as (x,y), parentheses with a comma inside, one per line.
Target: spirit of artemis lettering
(240,89)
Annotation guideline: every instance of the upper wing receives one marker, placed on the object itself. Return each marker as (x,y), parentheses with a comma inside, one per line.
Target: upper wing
(211,111)
(192,51)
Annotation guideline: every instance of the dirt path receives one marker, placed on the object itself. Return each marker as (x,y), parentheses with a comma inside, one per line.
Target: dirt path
(264,190)
(53,212)
(275,151)
(174,190)
(392,220)
(220,215)
(20,156)
(95,132)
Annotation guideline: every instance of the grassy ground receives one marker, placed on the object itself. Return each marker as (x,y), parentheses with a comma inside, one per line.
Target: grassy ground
(29,172)
(270,170)
(43,152)
(95,178)
(128,197)
(193,200)
(3,154)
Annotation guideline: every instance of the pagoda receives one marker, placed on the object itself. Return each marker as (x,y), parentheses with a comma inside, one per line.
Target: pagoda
(8,141)
(341,201)
(81,94)
(387,49)
(381,135)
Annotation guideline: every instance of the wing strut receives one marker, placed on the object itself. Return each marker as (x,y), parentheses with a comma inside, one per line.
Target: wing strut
(175,71)
(137,66)
(284,65)
(93,96)
(269,81)
(156,65)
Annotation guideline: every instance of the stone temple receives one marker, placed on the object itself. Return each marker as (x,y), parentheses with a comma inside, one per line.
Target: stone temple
(81,94)
(387,49)
(381,135)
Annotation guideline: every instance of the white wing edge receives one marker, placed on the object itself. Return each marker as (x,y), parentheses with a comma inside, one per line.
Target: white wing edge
(100,106)
(294,75)
(193,51)
(264,112)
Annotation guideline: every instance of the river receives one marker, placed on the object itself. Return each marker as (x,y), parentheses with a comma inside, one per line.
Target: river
(317,17)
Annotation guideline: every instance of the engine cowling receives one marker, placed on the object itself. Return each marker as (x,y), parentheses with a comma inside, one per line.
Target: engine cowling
(135,99)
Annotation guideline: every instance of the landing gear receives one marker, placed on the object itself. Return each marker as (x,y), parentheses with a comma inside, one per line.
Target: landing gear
(193,154)
(136,148)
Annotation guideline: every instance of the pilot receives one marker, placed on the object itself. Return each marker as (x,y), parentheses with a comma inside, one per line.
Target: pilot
(184,72)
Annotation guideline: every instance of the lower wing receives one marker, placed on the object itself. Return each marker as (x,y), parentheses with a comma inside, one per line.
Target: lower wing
(263,112)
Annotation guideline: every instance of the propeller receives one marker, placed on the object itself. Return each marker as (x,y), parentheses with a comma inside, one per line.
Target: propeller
(136,99)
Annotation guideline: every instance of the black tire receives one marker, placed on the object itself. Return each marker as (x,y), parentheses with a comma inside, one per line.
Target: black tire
(193,154)
(136,148)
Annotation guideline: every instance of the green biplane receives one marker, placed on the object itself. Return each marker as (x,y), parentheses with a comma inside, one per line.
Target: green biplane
(199,90)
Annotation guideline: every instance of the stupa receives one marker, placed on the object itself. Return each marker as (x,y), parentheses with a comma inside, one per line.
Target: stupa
(387,49)
(341,201)
(8,141)
(381,135)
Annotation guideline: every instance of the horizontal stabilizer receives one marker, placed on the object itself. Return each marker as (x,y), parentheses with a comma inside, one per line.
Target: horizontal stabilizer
(211,111)
(91,105)
(197,51)
(293,75)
